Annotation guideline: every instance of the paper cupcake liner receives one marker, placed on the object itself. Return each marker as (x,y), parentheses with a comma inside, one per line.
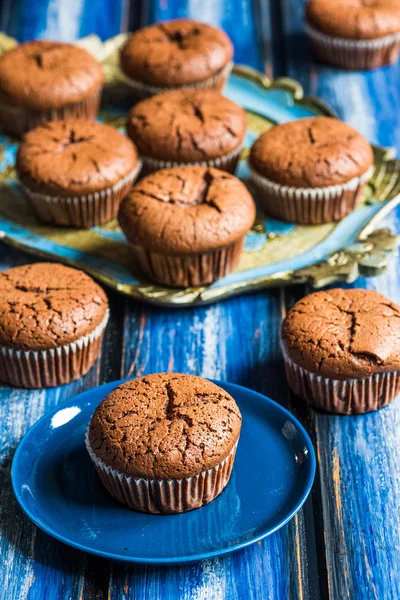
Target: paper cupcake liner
(53,367)
(227,162)
(164,496)
(140,91)
(354,54)
(81,211)
(309,206)
(188,271)
(17,120)
(352,396)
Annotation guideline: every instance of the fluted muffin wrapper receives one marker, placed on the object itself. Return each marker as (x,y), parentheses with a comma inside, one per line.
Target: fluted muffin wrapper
(52,367)
(188,270)
(81,211)
(347,397)
(140,91)
(17,120)
(164,496)
(309,206)
(354,54)
(226,162)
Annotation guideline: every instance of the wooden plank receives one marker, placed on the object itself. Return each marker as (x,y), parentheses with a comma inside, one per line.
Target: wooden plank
(65,21)
(238,340)
(358,456)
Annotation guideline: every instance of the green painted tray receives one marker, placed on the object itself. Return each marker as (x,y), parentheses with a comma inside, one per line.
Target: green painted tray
(276,253)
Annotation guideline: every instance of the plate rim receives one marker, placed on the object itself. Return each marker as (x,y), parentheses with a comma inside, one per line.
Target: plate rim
(160,560)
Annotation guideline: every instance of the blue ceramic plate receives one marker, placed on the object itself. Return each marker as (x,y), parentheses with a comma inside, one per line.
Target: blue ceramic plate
(56,485)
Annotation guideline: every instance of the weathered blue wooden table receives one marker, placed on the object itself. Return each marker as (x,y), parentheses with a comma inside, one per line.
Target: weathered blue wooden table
(345,543)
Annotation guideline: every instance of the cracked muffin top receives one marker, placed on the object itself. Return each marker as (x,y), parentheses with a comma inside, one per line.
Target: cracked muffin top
(355,19)
(176,53)
(186,210)
(42,75)
(311,152)
(46,305)
(75,156)
(187,126)
(343,334)
(165,426)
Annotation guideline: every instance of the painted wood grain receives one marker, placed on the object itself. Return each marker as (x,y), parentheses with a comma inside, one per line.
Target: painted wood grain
(64,20)
(358,456)
(345,543)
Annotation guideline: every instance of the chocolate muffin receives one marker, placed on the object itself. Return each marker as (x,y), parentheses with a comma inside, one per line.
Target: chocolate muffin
(188,127)
(46,81)
(165,443)
(354,34)
(52,321)
(76,172)
(174,55)
(186,226)
(342,350)
(310,171)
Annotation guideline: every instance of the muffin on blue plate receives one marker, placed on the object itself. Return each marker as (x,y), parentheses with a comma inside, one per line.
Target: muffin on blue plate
(165,443)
